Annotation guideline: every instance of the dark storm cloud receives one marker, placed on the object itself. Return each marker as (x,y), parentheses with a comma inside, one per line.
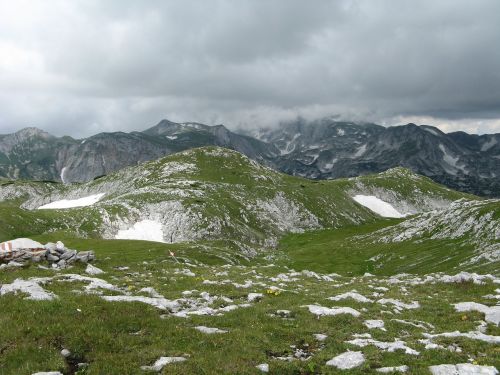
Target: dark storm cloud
(77,67)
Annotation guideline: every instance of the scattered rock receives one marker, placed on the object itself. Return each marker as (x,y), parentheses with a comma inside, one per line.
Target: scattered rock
(320,336)
(347,360)
(353,295)
(321,310)
(387,370)
(491,314)
(371,324)
(253,297)
(387,346)
(463,369)
(92,270)
(283,313)
(31,287)
(162,362)
(209,330)
(264,367)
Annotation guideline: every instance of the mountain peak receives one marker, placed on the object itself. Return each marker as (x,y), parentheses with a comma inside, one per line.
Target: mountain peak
(162,127)
(31,131)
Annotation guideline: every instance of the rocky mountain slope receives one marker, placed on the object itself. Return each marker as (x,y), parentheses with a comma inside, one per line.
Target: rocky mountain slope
(323,149)
(326,148)
(34,154)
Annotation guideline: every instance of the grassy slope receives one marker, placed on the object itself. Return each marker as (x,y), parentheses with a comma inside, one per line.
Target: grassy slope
(118,338)
(222,184)
(335,251)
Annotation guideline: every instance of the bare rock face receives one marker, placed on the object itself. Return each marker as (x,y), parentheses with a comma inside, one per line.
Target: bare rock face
(326,149)
(34,154)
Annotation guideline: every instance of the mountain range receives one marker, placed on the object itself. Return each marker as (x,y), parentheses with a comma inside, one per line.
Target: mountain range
(321,149)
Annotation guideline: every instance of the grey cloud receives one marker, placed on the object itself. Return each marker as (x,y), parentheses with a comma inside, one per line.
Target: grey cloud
(84,66)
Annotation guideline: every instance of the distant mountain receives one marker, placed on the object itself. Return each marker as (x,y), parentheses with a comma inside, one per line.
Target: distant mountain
(322,149)
(34,154)
(325,149)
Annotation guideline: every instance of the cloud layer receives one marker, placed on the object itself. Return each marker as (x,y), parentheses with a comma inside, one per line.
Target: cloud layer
(84,66)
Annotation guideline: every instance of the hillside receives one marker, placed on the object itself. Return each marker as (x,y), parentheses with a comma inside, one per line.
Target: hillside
(249,270)
(214,194)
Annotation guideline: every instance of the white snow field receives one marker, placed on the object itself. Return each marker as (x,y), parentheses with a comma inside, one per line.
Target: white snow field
(147,230)
(71,203)
(378,206)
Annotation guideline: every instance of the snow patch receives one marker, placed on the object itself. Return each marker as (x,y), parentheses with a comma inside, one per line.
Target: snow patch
(378,206)
(71,203)
(147,230)
(430,130)
(62,175)
(489,144)
(330,165)
(360,151)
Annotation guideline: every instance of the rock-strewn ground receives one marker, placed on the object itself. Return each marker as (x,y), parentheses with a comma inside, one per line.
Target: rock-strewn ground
(147,310)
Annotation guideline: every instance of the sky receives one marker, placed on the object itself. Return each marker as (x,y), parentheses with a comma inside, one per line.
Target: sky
(79,67)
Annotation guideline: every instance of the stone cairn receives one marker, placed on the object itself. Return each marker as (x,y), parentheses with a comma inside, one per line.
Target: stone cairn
(56,254)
